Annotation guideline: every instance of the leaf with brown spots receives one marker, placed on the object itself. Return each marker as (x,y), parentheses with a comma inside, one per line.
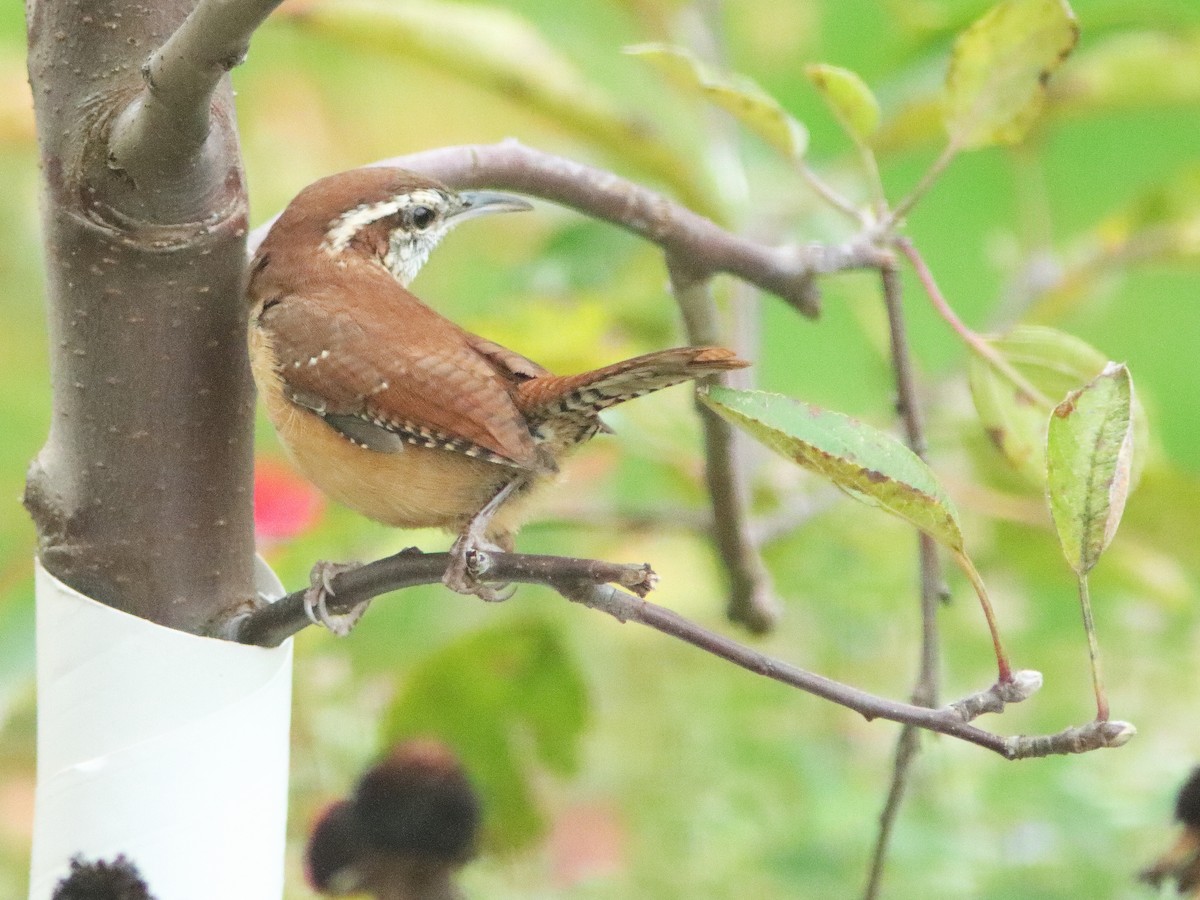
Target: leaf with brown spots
(1089,455)
(866,463)
(996,84)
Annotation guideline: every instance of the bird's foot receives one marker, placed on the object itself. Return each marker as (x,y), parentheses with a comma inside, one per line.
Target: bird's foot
(469,561)
(318,594)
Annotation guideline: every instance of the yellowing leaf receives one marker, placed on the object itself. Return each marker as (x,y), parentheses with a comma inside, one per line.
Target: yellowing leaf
(866,463)
(848,96)
(996,84)
(917,121)
(1161,224)
(736,94)
(1053,362)
(498,50)
(1132,69)
(1089,450)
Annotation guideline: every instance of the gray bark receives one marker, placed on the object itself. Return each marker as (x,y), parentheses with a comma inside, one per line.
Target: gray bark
(142,493)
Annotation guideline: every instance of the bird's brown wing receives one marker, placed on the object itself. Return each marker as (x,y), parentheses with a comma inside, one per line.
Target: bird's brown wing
(398,367)
(509,363)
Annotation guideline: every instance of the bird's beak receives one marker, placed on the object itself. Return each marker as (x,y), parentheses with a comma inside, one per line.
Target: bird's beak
(479,203)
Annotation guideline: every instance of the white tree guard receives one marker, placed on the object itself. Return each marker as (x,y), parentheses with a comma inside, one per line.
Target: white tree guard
(169,748)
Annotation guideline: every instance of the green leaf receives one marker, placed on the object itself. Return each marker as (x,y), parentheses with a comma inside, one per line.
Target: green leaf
(1089,451)
(497,49)
(736,94)
(1163,223)
(848,96)
(1132,69)
(866,463)
(915,121)
(1055,363)
(501,698)
(1175,202)
(996,84)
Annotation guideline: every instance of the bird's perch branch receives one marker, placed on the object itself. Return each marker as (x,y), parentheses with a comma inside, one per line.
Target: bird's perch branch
(591,583)
(169,121)
(270,625)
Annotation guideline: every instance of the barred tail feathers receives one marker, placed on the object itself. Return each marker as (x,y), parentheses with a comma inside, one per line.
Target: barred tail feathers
(587,394)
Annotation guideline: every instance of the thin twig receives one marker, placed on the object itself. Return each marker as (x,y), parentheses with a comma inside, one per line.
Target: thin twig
(870,165)
(751,598)
(925,691)
(974,342)
(909,408)
(904,207)
(168,122)
(830,195)
(907,747)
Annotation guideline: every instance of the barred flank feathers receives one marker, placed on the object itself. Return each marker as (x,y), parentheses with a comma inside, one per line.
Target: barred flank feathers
(551,396)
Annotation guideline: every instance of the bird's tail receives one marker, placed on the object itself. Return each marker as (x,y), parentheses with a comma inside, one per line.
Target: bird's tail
(554,398)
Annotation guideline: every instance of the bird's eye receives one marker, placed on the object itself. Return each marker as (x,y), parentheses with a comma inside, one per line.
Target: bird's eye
(421,217)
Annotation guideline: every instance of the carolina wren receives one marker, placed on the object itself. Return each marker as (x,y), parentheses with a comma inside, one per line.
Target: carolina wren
(394,410)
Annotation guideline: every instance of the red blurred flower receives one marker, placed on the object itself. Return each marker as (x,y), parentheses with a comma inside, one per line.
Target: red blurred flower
(284,503)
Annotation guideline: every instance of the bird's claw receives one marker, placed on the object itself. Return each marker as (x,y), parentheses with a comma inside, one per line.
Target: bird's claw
(318,594)
(469,561)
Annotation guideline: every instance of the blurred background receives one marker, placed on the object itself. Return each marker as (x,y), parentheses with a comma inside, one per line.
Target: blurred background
(615,763)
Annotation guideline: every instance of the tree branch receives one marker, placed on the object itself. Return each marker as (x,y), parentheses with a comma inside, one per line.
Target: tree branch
(751,600)
(168,123)
(909,407)
(590,583)
(975,343)
(693,241)
(925,690)
(270,625)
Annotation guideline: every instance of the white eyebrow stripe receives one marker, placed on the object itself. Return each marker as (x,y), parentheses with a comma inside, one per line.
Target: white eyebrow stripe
(344,227)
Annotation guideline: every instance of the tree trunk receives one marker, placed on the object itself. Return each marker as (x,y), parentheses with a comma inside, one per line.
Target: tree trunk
(142,493)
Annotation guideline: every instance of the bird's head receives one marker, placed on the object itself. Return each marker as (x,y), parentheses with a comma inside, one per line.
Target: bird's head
(393,216)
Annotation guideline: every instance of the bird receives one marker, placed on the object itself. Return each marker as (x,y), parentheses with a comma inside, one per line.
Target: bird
(411,822)
(391,408)
(1181,861)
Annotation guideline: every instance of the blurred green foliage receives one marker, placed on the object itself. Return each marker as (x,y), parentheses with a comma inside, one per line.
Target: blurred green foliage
(703,780)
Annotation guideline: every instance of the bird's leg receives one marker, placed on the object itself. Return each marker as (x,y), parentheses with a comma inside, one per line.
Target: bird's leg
(467,554)
(321,589)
